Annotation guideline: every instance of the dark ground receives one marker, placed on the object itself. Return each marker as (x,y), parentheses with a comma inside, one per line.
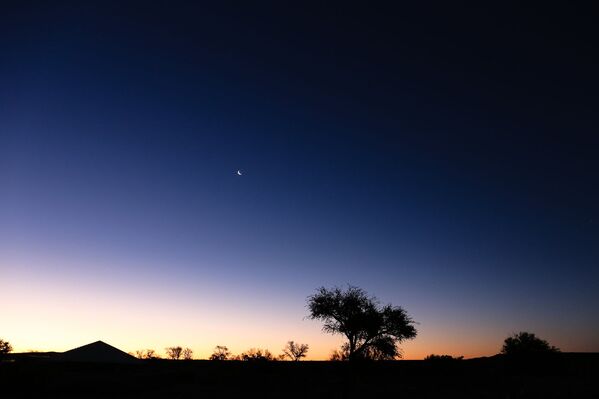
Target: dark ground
(569,376)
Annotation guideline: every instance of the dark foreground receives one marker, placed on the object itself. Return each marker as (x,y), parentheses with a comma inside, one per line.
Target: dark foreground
(570,376)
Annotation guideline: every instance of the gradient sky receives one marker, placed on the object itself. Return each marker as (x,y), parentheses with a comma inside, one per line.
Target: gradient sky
(443,159)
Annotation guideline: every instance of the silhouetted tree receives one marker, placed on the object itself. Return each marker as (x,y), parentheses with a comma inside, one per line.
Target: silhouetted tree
(524,343)
(220,353)
(526,354)
(372,331)
(256,354)
(141,354)
(174,352)
(5,348)
(187,354)
(295,351)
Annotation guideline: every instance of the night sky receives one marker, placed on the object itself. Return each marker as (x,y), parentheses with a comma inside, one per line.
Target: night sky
(443,158)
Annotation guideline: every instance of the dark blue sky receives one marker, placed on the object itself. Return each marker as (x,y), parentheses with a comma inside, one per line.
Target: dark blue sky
(444,159)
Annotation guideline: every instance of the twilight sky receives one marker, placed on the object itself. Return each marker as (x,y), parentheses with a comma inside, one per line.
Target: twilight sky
(443,159)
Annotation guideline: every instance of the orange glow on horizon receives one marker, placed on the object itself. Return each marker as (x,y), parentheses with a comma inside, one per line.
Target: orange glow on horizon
(61,313)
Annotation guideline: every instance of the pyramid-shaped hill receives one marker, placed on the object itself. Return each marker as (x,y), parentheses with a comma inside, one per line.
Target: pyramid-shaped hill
(97,352)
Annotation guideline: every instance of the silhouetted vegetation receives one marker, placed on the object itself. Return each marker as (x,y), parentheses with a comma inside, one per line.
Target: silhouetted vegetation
(338,355)
(256,354)
(526,344)
(174,352)
(373,332)
(442,358)
(220,353)
(146,354)
(295,351)
(528,355)
(5,348)
(187,354)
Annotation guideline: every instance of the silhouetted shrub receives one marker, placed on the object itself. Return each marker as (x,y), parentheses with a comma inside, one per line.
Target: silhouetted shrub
(442,358)
(526,354)
(338,355)
(220,353)
(256,354)
(525,344)
(5,348)
(187,354)
(295,351)
(145,354)
(372,331)
(174,352)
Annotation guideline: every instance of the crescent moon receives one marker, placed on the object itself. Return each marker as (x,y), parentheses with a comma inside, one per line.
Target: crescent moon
(239,173)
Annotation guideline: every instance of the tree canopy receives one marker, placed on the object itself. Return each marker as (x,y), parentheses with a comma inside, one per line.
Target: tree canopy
(525,343)
(295,351)
(220,353)
(187,354)
(5,347)
(174,352)
(372,331)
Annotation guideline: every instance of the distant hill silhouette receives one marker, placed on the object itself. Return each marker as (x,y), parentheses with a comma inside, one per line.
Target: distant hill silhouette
(97,352)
